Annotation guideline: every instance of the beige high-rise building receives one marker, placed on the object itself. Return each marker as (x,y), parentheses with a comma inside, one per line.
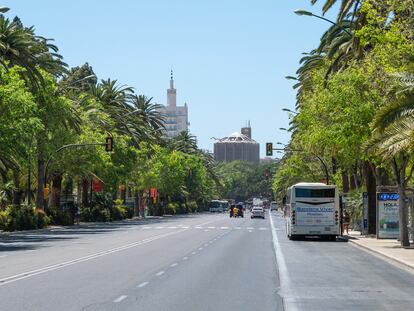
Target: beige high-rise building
(176,117)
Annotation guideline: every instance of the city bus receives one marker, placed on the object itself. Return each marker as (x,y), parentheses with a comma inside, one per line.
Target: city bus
(218,206)
(312,209)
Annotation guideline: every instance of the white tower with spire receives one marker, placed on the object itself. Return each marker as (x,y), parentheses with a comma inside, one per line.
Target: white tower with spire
(172,93)
(176,117)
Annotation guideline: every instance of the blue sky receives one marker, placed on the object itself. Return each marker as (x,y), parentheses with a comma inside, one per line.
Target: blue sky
(229,57)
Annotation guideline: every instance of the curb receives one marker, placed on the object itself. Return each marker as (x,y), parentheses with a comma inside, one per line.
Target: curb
(383,255)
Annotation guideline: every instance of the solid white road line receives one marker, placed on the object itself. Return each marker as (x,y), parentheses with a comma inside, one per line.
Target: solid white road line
(143,284)
(120,298)
(160,273)
(285,286)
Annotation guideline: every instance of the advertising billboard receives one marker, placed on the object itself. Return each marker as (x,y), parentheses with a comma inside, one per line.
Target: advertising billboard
(387,216)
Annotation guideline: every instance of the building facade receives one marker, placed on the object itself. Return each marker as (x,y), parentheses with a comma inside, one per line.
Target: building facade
(237,146)
(175,117)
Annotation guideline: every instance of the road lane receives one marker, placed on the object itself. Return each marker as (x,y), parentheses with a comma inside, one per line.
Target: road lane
(56,246)
(101,281)
(204,262)
(337,276)
(236,271)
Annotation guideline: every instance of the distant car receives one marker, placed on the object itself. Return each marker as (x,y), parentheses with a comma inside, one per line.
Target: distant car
(273,206)
(257,211)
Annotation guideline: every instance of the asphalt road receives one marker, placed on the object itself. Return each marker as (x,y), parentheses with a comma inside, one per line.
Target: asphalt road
(199,262)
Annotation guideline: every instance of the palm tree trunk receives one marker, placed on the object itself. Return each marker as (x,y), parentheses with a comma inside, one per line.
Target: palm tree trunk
(56,190)
(400,176)
(17,191)
(84,192)
(40,182)
(345,181)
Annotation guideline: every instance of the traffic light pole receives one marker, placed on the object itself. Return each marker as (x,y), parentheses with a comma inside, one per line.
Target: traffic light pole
(318,157)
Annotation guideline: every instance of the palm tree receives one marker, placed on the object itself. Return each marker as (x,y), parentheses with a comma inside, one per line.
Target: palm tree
(393,140)
(148,112)
(185,142)
(20,46)
(346,7)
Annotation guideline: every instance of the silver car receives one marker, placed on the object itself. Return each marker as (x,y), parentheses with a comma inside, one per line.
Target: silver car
(257,211)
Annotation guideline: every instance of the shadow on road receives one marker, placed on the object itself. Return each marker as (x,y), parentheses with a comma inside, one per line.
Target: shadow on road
(34,239)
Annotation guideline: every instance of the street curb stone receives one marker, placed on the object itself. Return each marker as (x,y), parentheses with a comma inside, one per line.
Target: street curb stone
(354,242)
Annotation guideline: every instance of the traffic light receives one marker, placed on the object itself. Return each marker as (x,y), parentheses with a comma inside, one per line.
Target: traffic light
(109,144)
(269,149)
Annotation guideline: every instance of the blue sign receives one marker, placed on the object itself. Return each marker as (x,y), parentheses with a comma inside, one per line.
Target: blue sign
(388,196)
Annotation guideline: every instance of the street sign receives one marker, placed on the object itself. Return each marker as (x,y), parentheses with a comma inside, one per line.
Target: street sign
(365,213)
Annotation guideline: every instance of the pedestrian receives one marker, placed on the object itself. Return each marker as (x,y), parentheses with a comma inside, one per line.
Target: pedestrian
(345,221)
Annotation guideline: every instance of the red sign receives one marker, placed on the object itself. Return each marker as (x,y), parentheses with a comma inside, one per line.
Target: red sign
(97,185)
(153,192)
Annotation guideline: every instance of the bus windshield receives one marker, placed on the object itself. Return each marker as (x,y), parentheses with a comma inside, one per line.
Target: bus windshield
(314,193)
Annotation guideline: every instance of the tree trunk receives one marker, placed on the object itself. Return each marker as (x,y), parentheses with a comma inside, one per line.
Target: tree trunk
(84,192)
(372,198)
(345,181)
(352,182)
(40,182)
(403,215)
(56,190)
(402,180)
(122,194)
(17,192)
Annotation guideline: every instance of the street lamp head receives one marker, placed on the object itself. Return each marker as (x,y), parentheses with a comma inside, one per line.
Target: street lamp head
(301,12)
(279,143)
(291,78)
(283,129)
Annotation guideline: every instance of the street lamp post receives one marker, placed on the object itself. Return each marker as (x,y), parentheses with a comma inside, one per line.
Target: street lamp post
(302,12)
(325,167)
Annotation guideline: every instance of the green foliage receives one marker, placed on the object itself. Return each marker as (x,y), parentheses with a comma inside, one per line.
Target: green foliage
(118,210)
(243,180)
(22,218)
(171,209)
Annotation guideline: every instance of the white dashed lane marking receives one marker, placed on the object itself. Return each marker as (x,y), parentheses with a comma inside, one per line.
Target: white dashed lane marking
(185,258)
(120,298)
(143,284)
(160,273)
(173,265)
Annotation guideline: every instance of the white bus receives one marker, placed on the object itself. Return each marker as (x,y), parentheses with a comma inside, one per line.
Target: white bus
(218,206)
(312,209)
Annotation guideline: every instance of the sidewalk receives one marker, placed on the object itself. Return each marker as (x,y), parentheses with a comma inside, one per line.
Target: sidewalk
(390,249)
